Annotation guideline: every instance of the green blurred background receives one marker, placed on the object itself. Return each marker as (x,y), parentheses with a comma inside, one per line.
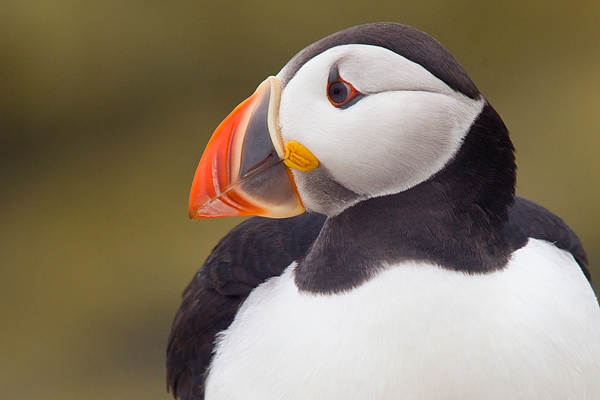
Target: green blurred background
(105,107)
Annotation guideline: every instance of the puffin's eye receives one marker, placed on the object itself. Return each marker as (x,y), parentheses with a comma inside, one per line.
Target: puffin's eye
(340,93)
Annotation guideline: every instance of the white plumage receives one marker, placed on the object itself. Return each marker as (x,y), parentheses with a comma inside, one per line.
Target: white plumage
(429,279)
(407,128)
(419,332)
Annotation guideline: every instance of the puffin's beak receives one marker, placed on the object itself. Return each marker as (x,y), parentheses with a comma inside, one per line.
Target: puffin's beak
(242,171)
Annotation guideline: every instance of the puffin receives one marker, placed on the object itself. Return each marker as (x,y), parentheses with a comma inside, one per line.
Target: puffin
(388,256)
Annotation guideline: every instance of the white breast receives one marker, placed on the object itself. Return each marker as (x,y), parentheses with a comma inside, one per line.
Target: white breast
(417,331)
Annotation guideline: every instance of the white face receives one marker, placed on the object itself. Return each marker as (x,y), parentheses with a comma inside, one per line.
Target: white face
(406,128)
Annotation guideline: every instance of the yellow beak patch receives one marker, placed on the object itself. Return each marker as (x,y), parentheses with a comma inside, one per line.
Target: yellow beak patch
(299,157)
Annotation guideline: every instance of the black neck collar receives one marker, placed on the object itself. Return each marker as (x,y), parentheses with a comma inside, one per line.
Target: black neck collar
(458,219)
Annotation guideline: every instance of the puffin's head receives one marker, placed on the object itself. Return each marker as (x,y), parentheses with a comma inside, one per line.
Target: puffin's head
(367,112)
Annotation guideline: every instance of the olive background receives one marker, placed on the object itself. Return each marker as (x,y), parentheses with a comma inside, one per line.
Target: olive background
(105,108)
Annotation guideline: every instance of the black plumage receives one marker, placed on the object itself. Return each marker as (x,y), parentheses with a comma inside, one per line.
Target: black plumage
(464,218)
(251,253)
(402,39)
(536,222)
(261,248)
(456,219)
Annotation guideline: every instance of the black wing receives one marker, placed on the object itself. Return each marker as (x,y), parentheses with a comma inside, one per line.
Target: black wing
(251,253)
(536,222)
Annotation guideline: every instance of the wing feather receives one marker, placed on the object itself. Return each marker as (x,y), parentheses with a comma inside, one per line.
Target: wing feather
(248,255)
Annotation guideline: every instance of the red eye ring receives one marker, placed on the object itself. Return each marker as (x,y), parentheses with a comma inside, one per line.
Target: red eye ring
(341,92)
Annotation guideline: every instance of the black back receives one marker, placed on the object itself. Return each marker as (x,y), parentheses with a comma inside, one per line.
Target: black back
(536,222)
